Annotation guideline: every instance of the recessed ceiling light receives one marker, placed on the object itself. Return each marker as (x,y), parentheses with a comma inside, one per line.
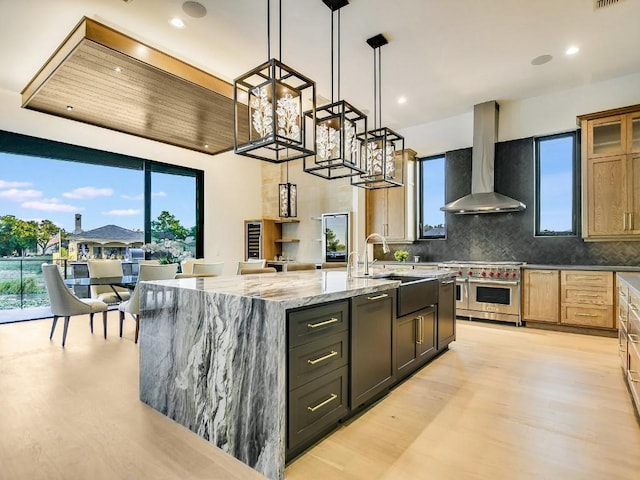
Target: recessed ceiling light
(206,145)
(118,69)
(572,50)
(177,22)
(541,60)
(402,100)
(69,107)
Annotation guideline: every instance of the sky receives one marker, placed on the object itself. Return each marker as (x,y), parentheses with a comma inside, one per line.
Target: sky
(33,188)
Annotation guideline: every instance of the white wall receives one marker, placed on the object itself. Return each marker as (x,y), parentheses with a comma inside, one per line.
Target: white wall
(232,182)
(545,114)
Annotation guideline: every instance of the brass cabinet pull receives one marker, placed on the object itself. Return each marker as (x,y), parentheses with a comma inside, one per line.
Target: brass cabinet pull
(322,404)
(624,221)
(586,315)
(378,297)
(418,320)
(630,221)
(323,358)
(322,324)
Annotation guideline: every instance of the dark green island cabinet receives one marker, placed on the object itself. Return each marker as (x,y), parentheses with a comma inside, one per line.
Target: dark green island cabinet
(345,355)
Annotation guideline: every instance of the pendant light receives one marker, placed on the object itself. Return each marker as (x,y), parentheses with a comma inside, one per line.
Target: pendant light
(268,105)
(384,151)
(288,198)
(341,129)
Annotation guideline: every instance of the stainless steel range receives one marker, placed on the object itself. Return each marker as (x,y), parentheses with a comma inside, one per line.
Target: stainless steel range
(488,290)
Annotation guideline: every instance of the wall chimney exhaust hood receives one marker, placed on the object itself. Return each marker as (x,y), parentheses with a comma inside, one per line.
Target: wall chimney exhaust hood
(482,198)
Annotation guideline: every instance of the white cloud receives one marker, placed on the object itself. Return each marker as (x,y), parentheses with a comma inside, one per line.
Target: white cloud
(50,205)
(19,195)
(5,184)
(140,196)
(123,213)
(158,194)
(88,192)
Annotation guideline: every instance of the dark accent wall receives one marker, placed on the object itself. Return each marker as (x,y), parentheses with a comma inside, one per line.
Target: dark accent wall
(509,236)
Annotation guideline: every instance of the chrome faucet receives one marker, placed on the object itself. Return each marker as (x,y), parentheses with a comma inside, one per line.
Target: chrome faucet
(350,265)
(385,249)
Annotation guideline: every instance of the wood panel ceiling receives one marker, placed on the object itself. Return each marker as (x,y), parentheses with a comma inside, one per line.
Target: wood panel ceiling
(151,95)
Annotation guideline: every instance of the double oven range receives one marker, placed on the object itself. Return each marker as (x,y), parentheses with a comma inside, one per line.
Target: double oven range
(487,290)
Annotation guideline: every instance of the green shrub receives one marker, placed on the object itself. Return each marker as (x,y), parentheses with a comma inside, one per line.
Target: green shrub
(12,287)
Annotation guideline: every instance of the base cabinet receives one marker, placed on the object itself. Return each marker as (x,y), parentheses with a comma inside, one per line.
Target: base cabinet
(415,340)
(628,294)
(446,325)
(372,359)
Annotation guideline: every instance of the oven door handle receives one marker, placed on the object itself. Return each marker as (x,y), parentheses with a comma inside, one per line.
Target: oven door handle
(495,282)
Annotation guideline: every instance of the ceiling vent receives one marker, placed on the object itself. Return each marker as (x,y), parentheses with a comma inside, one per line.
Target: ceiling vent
(598,4)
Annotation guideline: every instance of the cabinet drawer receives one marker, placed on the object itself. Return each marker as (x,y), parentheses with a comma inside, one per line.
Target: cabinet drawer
(316,406)
(633,375)
(591,316)
(586,296)
(313,360)
(312,323)
(583,278)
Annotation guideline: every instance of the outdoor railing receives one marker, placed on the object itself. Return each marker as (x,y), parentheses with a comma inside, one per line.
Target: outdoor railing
(22,283)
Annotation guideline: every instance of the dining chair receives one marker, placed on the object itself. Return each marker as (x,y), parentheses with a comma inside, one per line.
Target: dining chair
(149,262)
(250,271)
(186,265)
(147,273)
(65,304)
(294,267)
(107,293)
(203,268)
(326,265)
(252,263)
(195,275)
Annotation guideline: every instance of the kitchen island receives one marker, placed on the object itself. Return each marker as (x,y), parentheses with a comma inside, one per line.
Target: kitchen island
(213,354)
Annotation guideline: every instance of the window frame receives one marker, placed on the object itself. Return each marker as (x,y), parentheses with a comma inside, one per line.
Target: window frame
(420,196)
(575,197)
(20,144)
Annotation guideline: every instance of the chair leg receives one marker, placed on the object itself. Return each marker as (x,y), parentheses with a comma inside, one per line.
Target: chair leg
(137,318)
(104,323)
(91,322)
(53,326)
(64,331)
(121,321)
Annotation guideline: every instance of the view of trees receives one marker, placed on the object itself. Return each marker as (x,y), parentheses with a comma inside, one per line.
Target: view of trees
(18,236)
(168,227)
(333,242)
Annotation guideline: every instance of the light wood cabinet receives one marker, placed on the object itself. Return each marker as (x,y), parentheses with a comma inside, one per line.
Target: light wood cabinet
(611,174)
(629,332)
(264,238)
(586,298)
(541,296)
(391,211)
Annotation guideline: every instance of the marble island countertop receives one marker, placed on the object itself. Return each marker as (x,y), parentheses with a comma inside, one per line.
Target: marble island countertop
(295,289)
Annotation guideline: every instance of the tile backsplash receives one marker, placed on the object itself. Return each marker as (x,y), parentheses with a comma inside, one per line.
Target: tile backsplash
(509,236)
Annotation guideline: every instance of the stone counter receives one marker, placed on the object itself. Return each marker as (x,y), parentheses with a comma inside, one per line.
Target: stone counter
(213,354)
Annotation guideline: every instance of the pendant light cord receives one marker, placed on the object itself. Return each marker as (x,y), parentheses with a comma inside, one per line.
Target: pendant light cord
(279,30)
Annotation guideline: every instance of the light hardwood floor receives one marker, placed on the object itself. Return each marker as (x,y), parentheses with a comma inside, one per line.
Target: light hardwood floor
(503,403)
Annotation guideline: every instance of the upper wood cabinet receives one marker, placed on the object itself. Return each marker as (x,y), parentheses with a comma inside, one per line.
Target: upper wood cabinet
(391,211)
(611,174)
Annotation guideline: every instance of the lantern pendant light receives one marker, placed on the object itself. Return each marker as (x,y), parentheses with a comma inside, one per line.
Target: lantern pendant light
(341,129)
(268,109)
(384,151)
(288,198)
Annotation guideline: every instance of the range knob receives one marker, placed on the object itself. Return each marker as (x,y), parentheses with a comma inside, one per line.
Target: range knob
(491,274)
(459,272)
(514,274)
(484,274)
(498,274)
(470,273)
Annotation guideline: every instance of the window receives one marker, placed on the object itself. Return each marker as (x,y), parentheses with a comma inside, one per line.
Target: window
(556,191)
(431,219)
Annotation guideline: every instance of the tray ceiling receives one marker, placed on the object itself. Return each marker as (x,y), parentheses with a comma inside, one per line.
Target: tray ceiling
(102,77)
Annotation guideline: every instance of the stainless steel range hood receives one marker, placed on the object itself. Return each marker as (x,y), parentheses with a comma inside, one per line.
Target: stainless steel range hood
(482,198)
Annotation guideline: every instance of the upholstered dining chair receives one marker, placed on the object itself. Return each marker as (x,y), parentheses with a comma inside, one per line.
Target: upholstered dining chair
(149,262)
(106,293)
(208,268)
(147,272)
(294,267)
(326,265)
(186,265)
(257,263)
(251,271)
(65,304)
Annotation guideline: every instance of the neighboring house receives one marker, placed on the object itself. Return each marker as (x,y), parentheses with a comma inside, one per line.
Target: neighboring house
(109,241)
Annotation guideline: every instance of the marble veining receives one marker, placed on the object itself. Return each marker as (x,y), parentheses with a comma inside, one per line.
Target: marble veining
(213,354)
